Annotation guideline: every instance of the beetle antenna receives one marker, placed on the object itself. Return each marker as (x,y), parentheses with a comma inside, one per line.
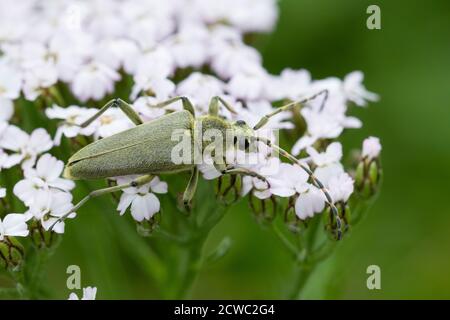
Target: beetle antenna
(316,182)
(290,106)
(325,98)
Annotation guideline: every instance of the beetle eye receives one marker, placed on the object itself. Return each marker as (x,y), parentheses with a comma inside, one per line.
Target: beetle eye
(240,123)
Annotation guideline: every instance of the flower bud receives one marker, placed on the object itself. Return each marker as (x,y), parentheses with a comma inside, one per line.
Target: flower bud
(11,253)
(294,224)
(331,224)
(359,175)
(367,177)
(42,238)
(264,210)
(368,171)
(228,189)
(146,228)
(373,173)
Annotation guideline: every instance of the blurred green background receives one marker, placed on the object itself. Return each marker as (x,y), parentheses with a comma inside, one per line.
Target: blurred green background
(406,232)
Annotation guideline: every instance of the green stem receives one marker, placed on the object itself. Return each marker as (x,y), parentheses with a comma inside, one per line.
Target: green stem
(32,279)
(302,275)
(288,244)
(304,264)
(191,259)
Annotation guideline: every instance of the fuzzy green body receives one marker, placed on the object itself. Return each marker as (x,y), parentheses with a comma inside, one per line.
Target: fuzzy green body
(145,149)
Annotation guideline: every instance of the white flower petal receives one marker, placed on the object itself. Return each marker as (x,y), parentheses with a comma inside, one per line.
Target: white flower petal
(14,224)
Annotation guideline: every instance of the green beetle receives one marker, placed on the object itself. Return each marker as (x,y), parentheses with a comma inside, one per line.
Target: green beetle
(147,148)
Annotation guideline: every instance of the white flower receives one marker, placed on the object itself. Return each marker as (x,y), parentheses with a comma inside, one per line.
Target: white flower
(229,59)
(207,168)
(71,115)
(248,86)
(259,187)
(38,79)
(89,293)
(321,125)
(13,224)
(25,147)
(188,46)
(333,154)
(200,88)
(154,63)
(355,90)
(325,173)
(261,17)
(45,176)
(340,187)
(10,82)
(309,203)
(48,206)
(6,110)
(68,50)
(255,110)
(94,81)
(109,52)
(267,168)
(111,122)
(371,148)
(290,179)
(5,161)
(145,106)
(2,192)
(292,84)
(144,204)
(159,87)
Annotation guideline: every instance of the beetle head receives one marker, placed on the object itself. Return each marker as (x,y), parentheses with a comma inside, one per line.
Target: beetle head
(242,135)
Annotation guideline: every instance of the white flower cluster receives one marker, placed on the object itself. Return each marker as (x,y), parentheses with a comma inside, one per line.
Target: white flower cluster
(193,48)
(289,180)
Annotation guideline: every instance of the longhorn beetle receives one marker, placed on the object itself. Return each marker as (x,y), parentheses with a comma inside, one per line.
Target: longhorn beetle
(146,149)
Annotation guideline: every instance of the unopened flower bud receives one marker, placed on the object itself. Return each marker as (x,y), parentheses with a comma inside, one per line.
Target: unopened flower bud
(228,189)
(146,228)
(11,253)
(264,210)
(335,225)
(293,223)
(359,175)
(373,173)
(42,238)
(368,171)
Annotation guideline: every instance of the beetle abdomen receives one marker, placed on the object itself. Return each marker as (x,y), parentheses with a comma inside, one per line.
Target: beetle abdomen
(144,149)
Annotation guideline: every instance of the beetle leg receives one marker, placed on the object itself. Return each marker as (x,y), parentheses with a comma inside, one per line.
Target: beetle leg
(213,109)
(125,107)
(245,172)
(265,119)
(96,193)
(189,193)
(187,104)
